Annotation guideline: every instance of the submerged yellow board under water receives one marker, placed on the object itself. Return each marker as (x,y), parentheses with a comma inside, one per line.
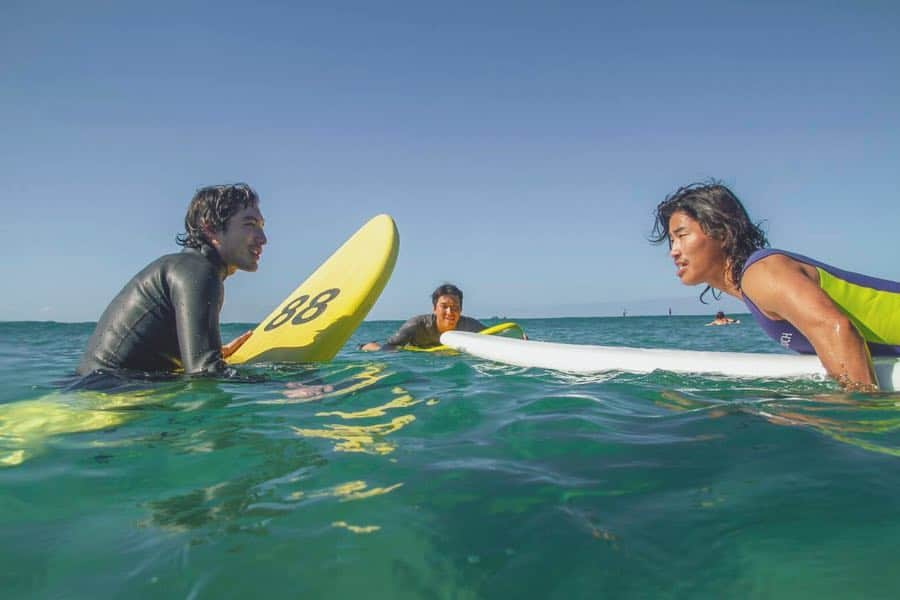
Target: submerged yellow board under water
(27,425)
(320,315)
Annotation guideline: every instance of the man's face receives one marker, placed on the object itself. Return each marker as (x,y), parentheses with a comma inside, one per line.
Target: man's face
(446,312)
(240,242)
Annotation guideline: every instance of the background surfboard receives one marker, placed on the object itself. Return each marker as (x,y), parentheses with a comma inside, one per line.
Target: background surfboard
(508,329)
(318,317)
(587,359)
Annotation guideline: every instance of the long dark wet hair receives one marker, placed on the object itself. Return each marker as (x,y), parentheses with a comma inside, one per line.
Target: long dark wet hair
(721,216)
(212,206)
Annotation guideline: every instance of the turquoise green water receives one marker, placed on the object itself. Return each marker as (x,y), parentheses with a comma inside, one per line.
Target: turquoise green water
(427,476)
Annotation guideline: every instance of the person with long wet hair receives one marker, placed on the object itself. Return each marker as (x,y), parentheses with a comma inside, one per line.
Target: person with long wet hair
(805,305)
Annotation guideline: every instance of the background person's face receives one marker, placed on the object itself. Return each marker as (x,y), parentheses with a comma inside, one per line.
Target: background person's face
(446,312)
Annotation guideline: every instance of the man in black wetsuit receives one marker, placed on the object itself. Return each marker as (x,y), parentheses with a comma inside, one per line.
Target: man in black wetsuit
(167,317)
(425,331)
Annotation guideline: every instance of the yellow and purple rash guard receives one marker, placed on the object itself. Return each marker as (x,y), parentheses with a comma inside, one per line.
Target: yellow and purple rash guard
(872,304)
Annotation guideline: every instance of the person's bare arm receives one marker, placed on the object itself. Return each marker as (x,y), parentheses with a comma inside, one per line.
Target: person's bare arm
(404,335)
(232,346)
(786,289)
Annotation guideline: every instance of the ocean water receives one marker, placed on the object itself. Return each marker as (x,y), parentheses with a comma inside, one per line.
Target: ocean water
(443,476)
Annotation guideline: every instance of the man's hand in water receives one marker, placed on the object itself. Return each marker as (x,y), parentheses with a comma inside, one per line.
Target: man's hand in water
(300,391)
(232,346)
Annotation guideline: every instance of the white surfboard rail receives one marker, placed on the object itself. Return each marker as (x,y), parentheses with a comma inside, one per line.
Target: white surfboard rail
(589,359)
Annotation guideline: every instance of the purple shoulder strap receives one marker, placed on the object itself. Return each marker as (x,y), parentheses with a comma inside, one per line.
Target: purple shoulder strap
(781,331)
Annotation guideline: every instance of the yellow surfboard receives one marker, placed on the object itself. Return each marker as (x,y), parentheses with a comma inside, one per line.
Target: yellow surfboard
(497,329)
(320,315)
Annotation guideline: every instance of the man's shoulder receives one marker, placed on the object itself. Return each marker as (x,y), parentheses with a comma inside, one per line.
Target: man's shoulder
(418,320)
(188,259)
(469,324)
(186,269)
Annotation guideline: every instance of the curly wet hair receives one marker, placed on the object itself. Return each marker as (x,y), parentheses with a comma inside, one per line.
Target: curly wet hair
(212,206)
(721,216)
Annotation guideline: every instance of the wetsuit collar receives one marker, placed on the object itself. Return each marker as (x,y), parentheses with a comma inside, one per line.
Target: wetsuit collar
(212,255)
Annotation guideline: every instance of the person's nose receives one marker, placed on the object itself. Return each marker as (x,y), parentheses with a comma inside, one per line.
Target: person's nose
(674,250)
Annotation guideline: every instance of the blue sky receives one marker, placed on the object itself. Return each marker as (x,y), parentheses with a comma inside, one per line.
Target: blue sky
(520,146)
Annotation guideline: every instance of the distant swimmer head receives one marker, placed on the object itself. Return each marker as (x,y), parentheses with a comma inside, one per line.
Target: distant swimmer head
(720,315)
(709,234)
(446,301)
(226,217)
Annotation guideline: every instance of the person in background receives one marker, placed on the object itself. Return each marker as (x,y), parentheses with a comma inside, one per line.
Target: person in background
(424,331)
(721,319)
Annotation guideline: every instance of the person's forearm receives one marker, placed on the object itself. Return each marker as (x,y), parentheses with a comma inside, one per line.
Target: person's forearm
(845,356)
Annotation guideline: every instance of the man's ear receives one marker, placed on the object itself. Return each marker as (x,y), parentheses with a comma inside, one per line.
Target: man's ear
(210,234)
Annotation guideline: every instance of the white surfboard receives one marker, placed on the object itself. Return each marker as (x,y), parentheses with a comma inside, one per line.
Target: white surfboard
(587,359)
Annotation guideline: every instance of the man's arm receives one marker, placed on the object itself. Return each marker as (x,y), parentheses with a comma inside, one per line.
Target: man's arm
(787,289)
(405,335)
(197,300)
(232,346)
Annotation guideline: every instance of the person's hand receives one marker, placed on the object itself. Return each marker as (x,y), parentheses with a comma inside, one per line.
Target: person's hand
(370,347)
(232,346)
(300,391)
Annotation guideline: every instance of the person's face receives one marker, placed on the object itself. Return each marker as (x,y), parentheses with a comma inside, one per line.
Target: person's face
(240,242)
(446,312)
(698,257)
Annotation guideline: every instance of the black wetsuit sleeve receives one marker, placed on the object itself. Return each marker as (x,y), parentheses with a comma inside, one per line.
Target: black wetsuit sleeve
(406,334)
(197,302)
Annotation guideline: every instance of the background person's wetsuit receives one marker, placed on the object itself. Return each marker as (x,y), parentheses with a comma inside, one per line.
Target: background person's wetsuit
(166,318)
(422,331)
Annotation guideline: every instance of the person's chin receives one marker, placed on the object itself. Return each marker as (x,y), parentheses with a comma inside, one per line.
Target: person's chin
(685,278)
